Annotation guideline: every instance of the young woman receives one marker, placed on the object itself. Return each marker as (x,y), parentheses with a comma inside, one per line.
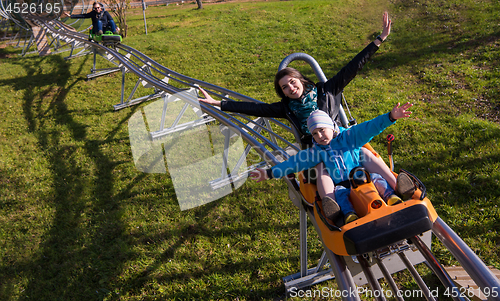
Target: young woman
(300,97)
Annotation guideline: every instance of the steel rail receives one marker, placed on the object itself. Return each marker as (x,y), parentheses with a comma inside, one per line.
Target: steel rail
(438,270)
(473,265)
(192,82)
(156,81)
(18,21)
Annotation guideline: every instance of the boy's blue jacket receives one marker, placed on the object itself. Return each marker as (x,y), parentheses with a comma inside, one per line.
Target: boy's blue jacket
(344,155)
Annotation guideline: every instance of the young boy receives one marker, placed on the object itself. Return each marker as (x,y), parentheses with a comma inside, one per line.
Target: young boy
(339,149)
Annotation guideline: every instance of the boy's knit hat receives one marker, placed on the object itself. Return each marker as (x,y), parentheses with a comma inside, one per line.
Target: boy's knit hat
(319,119)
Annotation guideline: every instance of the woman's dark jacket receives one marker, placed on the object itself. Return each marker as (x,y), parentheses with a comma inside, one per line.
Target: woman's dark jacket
(326,95)
(104,16)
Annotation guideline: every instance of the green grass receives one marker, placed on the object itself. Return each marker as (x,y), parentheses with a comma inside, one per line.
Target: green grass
(78,221)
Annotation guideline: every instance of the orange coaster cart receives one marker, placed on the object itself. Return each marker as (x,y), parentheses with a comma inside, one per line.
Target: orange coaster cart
(379,225)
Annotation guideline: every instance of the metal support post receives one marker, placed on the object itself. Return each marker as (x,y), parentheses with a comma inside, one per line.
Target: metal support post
(389,279)
(144,16)
(303,240)
(420,282)
(372,281)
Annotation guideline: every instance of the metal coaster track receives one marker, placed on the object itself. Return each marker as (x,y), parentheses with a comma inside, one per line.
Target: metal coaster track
(274,147)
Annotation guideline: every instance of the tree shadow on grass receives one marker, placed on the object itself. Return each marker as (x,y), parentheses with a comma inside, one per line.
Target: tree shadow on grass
(214,272)
(83,251)
(82,255)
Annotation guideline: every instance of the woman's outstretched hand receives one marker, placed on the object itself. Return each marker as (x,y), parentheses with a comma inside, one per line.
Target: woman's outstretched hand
(386,25)
(208,99)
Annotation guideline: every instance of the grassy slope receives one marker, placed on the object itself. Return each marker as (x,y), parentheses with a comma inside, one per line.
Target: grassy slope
(79,222)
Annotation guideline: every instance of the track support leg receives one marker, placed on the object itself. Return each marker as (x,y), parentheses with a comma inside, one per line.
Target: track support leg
(420,282)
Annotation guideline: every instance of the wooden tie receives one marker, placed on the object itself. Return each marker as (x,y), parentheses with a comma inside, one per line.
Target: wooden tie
(467,286)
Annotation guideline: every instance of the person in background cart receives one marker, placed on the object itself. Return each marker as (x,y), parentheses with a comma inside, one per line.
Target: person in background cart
(101,19)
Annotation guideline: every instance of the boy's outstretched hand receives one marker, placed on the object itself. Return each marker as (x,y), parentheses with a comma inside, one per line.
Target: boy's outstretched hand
(258,174)
(401,111)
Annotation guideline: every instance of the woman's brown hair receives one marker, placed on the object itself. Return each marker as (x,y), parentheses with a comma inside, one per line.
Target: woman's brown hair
(293,73)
